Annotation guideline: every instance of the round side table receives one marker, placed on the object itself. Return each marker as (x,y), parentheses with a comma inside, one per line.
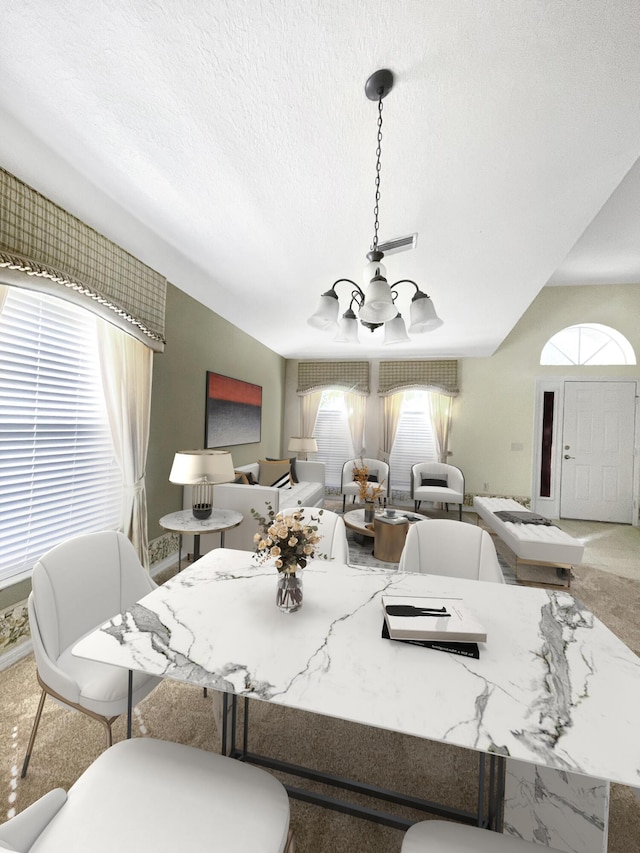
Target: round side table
(183,521)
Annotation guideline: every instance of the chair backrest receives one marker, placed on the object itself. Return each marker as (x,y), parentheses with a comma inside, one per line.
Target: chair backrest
(83,582)
(438,470)
(333,545)
(376,466)
(452,548)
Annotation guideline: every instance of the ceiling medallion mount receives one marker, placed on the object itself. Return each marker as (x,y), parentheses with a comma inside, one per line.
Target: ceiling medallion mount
(376,305)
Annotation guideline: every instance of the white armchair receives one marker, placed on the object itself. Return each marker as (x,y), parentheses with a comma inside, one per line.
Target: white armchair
(437,481)
(77,586)
(377,469)
(441,546)
(156,796)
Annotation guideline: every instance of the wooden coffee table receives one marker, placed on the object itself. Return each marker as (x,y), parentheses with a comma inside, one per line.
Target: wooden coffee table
(388,539)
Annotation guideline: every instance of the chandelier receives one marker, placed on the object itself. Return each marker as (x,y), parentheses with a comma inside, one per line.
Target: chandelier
(376,304)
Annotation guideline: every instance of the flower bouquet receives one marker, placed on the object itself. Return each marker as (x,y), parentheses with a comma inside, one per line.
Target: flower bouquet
(290,541)
(367,491)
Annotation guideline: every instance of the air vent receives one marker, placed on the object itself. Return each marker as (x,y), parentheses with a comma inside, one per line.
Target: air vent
(400,244)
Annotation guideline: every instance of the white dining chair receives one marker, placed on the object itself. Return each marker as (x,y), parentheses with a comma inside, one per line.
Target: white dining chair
(333,544)
(437,482)
(439,836)
(156,796)
(76,586)
(441,546)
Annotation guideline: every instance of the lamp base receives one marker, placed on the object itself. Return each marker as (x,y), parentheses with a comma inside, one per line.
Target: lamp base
(202,511)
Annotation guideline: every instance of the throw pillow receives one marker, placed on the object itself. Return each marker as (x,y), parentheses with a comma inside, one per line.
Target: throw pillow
(434,481)
(292,462)
(372,477)
(251,480)
(275,473)
(241,478)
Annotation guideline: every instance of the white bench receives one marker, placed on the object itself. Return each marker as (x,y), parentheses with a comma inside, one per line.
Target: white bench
(545,554)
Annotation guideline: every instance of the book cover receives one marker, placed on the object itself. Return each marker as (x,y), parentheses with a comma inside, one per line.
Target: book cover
(469,650)
(425,618)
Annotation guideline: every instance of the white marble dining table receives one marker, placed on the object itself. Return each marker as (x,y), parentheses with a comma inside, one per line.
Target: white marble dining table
(553,686)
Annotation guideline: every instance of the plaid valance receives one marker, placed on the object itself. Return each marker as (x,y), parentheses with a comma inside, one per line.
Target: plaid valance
(313,375)
(39,238)
(395,375)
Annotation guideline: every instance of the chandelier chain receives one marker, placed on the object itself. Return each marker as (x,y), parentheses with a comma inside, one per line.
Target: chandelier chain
(376,208)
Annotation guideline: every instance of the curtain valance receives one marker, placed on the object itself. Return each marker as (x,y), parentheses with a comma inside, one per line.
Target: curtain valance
(313,375)
(440,375)
(39,238)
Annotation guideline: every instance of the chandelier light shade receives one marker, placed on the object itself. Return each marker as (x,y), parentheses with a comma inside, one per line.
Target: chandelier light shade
(376,302)
(202,469)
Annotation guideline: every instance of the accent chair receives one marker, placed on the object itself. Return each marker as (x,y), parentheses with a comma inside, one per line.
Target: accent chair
(438,482)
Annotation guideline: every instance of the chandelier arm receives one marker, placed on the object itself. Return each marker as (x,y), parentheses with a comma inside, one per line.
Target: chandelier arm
(358,289)
(418,292)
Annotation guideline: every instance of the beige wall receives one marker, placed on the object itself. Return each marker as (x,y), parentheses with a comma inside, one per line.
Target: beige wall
(495,407)
(199,340)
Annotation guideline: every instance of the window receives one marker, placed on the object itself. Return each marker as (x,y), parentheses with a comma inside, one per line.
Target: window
(588,344)
(335,446)
(414,442)
(59,474)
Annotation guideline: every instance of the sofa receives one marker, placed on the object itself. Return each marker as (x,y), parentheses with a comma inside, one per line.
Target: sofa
(242,497)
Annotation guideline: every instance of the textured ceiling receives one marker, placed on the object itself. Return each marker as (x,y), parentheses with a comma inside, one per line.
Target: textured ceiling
(231,146)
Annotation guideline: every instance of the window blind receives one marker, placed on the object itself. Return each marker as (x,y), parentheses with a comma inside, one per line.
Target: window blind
(334,439)
(414,441)
(57,467)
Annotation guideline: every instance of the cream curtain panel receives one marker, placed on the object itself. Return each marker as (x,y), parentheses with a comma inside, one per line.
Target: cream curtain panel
(41,242)
(126,367)
(391,408)
(356,411)
(440,406)
(309,405)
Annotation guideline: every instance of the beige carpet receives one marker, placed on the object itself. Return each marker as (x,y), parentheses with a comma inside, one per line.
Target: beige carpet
(67,743)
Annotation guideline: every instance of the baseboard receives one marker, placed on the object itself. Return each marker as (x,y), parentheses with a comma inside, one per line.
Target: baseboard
(15,654)
(161,565)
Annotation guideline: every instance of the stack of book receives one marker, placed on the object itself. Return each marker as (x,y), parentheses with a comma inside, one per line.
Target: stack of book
(444,624)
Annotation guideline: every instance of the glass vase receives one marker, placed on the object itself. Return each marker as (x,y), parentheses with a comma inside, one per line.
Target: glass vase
(369,512)
(289,591)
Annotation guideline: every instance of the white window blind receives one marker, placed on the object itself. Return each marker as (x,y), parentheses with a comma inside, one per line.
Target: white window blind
(57,467)
(414,440)
(335,446)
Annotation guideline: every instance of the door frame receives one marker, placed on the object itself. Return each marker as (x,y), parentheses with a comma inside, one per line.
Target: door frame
(550,506)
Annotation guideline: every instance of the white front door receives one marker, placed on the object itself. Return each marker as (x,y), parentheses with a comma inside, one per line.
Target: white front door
(597,451)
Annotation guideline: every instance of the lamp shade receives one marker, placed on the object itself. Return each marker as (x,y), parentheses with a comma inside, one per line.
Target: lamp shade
(326,314)
(302,444)
(194,466)
(378,303)
(395,331)
(423,314)
(347,329)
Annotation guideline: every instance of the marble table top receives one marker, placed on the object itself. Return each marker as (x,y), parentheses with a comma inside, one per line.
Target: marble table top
(184,521)
(553,686)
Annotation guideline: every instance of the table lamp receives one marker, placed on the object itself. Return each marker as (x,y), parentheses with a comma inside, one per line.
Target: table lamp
(202,469)
(302,445)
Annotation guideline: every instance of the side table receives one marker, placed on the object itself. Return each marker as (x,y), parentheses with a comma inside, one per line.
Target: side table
(183,521)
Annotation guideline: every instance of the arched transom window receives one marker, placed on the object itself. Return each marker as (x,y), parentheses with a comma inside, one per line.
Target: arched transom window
(588,344)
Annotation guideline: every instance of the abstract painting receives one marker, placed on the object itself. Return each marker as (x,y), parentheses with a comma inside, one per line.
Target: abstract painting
(233,411)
